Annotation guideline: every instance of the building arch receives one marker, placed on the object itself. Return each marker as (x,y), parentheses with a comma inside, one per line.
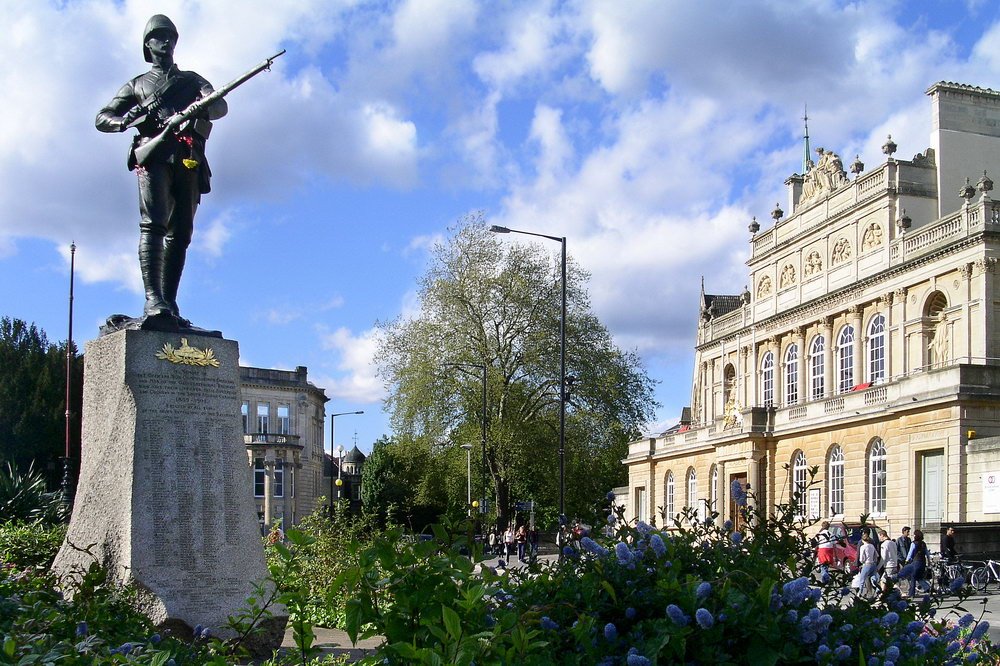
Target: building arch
(876,473)
(845,359)
(875,349)
(835,480)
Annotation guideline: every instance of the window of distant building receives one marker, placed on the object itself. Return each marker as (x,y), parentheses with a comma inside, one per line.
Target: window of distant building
(845,359)
(259,474)
(800,475)
(876,477)
(245,413)
(835,474)
(816,368)
(640,504)
(279,478)
(668,508)
(876,349)
(692,492)
(263,416)
(792,375)
(767,379)
(283,420)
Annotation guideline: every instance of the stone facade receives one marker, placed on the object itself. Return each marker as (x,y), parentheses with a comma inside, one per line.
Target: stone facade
(283,415)
(867,345)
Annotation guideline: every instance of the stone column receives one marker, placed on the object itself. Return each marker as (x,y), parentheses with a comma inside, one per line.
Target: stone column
(721,492)
(899,323)
(858,349)
(829,376)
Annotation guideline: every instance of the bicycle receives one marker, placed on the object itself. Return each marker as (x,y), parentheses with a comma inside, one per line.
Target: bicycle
(986,575)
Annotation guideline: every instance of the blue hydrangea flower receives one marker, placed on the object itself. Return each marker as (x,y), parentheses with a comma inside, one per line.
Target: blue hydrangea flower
(981,628)
(611,519)
(610,496)
(892,652)
(824,577)
(643,528)
(610,631)
(966,620)
(739,494)
(81,629)
(623,552)
(792,616)
(677,616)
(915,627)
(737,538)
(842,652)
(154,639)
(592,547)
(972,658)
(630,613)
(636,660)
(547,623)
(197,630)
(704,618)
(823,651)
(656,543)
(889,619)
(568,551)
(728,525)
(953,647)
(704,589)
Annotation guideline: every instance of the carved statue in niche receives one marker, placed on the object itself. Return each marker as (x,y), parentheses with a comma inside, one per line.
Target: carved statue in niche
(825,177)
(814,264)
(872,237)
(787,277)
(841,252)
(940,342)
(764,287)
(733,416)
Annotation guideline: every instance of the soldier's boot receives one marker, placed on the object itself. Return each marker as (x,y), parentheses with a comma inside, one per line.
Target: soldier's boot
(151,266)
(174,254)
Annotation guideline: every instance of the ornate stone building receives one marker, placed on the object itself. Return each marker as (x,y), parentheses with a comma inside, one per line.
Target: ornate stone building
(283,415)
(867,345)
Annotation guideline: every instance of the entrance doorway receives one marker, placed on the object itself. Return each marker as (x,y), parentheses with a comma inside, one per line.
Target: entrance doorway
(932,487)
(734,508)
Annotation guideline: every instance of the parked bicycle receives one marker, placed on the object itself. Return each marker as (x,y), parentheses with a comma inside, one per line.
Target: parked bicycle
(941,573)
(986,575)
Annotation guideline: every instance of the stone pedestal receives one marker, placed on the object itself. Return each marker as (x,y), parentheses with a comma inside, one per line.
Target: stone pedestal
(165,496)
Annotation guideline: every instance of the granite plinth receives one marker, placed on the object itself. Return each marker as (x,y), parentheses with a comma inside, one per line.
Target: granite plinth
(164,499)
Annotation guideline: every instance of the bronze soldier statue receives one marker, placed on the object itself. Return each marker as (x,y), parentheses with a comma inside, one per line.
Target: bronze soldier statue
(173,175)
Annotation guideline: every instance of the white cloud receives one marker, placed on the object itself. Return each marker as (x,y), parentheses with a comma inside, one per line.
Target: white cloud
(213,236)
(356,381)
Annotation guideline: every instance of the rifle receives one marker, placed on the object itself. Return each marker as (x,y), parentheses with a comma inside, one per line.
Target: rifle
(143,151)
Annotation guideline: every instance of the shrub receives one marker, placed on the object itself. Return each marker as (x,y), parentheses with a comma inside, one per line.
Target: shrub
(700,593)
(32,545)
(23,497)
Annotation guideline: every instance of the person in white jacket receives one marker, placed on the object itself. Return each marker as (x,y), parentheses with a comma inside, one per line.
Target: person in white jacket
(889,565)
(868,561)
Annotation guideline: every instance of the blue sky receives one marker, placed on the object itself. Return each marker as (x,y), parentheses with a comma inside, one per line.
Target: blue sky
(647,132)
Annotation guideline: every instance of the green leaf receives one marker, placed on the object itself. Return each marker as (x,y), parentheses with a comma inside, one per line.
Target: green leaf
(9,646)
(452,622)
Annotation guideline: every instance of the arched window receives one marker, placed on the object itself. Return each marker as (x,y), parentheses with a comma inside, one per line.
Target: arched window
(817,387)
(800,475)
(767,379)
(668,505)
(835,475)
(876,349)
(692,492)
(876,477)
(792,375)
(845,359)
(713,492)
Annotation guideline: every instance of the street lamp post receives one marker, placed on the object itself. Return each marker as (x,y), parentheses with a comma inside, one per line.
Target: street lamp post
(333,442)
(482,471)
(468,492)
(562,365)
(340,461)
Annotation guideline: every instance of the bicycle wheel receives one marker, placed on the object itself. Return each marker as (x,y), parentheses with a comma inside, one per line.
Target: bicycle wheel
(980,578)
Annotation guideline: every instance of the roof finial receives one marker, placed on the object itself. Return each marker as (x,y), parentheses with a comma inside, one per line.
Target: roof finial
(806,160)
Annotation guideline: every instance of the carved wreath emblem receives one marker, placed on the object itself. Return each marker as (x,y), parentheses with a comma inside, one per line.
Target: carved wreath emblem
(187,355)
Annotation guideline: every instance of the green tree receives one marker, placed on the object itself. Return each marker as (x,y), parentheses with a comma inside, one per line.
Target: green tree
(33,399)
(492,302)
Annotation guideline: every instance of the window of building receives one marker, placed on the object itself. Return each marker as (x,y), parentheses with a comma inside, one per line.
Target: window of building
(640,504)
(800,475)
(876,478)
(668,507)
(692,492)
(263,416)
(259,473)
(245,413)
(713,492)
(279,478)
(283,420)
(356,493)
(817,387)
(845,359)
(835,474)
(767,379)
(876,349)
(792,375)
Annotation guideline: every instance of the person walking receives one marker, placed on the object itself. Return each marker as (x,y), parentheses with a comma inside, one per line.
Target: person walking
(533,541)
(825,553)
(868,561)
(948,549)
(889,565)
(508,541)
(521,537)
(903,543)
(917,556)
